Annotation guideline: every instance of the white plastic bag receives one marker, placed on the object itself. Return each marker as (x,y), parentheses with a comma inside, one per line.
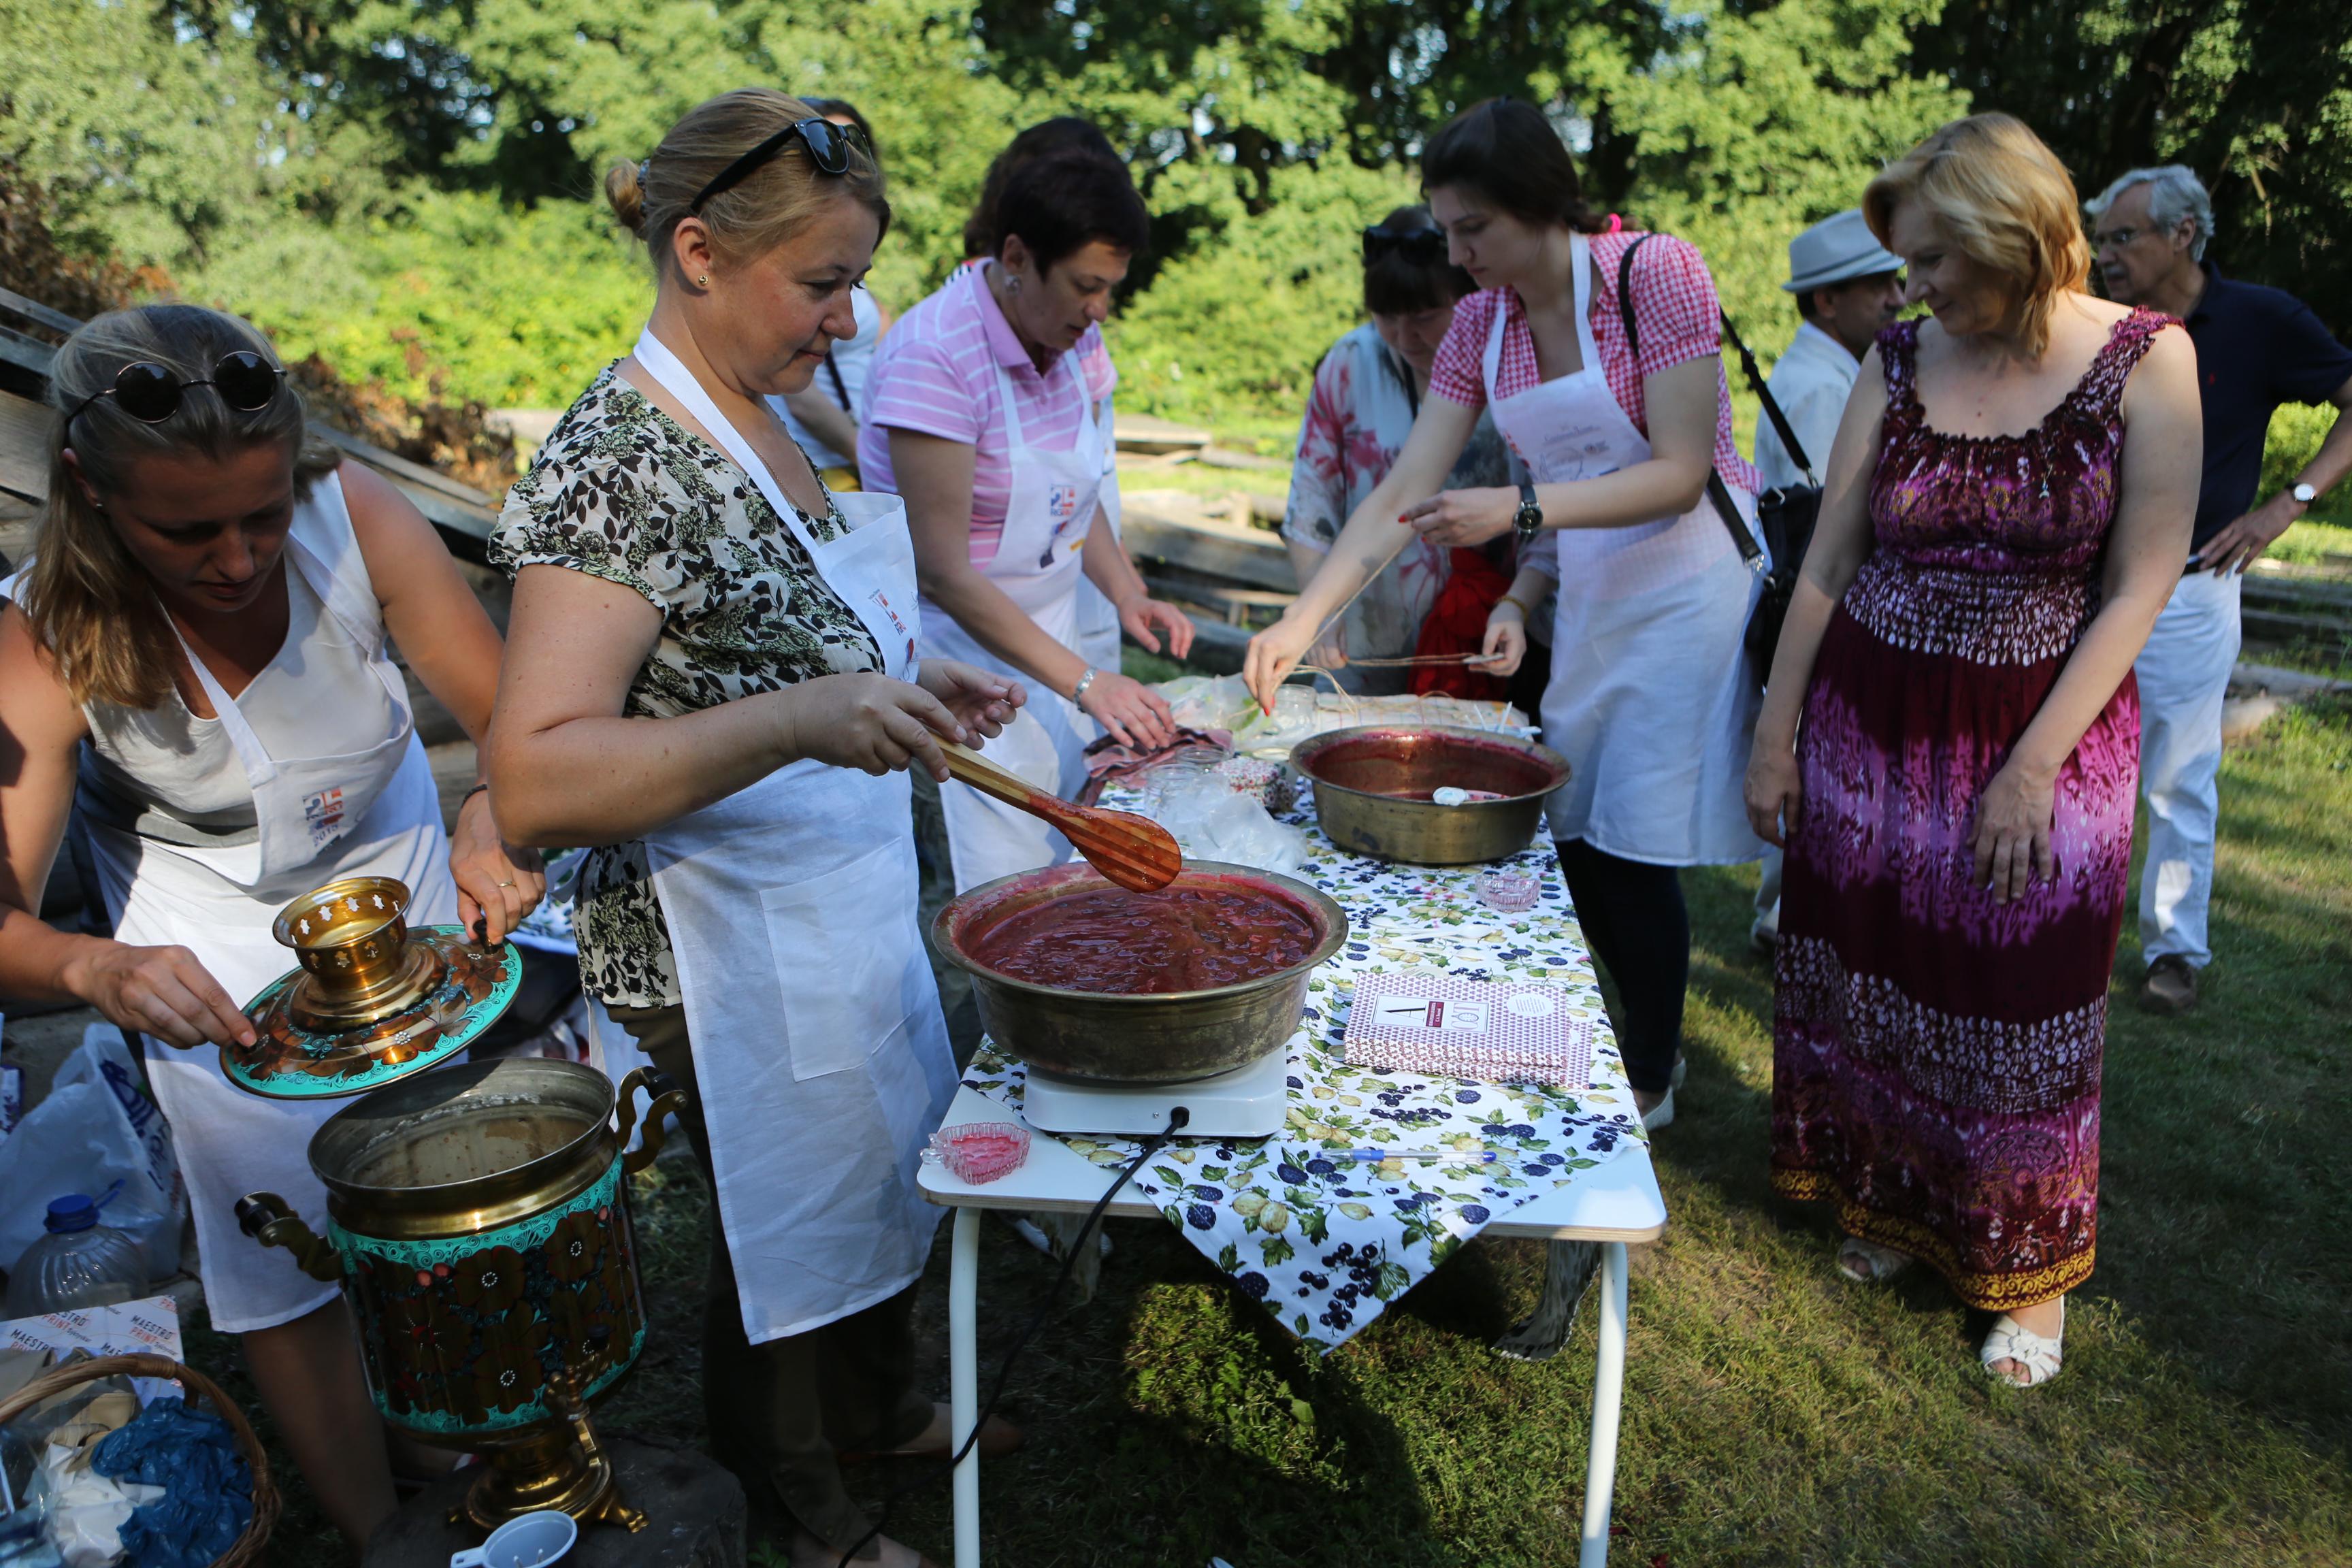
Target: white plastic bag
(97,1127)
(87,1510)
(1212,821)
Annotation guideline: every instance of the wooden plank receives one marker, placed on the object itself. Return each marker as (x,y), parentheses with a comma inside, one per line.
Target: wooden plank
(1141,433)
(24,427)
(34,310)
(1252,557)
(28,354)
(1217,647)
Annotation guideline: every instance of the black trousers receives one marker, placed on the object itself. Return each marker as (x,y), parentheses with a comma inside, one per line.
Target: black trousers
(780,1412)
(1639,928)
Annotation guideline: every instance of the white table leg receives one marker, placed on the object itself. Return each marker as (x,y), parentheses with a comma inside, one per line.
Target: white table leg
(963,1379)
(1608,1388)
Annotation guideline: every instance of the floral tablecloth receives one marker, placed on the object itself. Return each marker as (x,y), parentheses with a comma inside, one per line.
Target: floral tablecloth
(1327,1243)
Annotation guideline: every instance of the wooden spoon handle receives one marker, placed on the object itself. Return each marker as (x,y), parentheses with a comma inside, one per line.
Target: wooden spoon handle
(989,779)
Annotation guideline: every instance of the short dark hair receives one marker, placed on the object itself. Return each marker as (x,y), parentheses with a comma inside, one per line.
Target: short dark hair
(1062,133)
(1808,308)
(1396,284)
(1060,203)
(1508,153)
(829,106)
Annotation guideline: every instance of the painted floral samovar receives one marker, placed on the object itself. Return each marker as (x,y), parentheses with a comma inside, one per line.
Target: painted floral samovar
(478,1222)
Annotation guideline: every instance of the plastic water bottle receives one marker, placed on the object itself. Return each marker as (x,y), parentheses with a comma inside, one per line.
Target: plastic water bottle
(80,1263)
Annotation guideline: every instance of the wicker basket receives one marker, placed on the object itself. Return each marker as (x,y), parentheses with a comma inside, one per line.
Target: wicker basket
(248,1548)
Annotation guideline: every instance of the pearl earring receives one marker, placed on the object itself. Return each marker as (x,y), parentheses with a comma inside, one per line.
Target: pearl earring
(1013,285)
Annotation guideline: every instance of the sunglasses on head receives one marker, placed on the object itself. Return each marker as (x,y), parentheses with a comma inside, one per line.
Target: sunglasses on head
(1422,244)
(150,393)
(828,148)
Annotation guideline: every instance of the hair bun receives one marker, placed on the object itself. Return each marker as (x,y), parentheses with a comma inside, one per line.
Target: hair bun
(624,190)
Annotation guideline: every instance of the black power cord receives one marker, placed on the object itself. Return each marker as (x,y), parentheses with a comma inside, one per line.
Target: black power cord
(1178,1118)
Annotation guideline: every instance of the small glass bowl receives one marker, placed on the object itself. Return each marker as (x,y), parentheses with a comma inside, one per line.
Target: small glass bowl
(978,1152)
(1513,892)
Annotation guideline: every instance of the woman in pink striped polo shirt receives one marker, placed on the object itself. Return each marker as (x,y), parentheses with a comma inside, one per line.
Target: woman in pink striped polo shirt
(988,409)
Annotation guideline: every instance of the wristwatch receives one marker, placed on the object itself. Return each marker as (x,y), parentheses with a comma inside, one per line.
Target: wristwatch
(2304,494)
(1528,520)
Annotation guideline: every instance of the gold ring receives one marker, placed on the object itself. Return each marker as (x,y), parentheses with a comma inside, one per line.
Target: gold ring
(506,884)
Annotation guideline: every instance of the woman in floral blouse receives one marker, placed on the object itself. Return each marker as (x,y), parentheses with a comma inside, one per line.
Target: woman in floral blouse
(1366,392)
(715,683)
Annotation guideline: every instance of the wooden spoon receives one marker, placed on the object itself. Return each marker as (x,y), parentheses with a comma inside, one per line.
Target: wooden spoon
(1133,851)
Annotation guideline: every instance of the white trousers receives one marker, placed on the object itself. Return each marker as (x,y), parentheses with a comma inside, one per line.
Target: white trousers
(2184,674)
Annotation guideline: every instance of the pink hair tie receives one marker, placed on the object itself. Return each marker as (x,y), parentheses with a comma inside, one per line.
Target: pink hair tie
(1616,224)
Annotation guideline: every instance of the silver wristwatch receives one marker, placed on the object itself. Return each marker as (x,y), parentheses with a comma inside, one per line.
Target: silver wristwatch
(2304,494)
(1078,693)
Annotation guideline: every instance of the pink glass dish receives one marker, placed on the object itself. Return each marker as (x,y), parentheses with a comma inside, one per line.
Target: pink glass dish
(978,1152)
(1513,892)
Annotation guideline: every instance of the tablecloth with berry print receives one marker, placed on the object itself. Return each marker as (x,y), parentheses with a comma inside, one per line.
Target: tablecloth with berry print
(1325,1243)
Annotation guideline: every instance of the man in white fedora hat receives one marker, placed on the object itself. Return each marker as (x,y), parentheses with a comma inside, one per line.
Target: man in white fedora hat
(1848,286)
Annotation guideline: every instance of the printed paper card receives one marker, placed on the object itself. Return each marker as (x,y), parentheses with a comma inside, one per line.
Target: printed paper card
(1426,1021)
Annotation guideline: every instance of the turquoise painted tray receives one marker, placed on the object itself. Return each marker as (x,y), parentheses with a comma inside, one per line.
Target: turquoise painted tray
(289,1061)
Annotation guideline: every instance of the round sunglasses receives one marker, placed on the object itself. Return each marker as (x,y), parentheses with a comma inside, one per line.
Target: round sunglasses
(828,148)
(151,392)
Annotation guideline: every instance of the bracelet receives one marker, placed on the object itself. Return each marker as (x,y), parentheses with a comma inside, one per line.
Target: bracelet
(471,795)
(1527,613)
(1078,693)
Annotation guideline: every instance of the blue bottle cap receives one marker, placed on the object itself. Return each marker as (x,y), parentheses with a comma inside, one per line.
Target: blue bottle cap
(72,1212)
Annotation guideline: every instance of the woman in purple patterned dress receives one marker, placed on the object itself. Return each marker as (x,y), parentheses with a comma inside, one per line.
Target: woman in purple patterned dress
(2007,508)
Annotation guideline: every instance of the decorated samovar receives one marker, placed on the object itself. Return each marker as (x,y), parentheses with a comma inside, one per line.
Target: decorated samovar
(477,1215)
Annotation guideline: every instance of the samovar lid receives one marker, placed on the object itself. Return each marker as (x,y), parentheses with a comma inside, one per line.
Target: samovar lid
(372,1000)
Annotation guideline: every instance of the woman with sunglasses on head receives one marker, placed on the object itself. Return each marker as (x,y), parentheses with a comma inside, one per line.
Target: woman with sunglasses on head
(990,411)
(1650,697)
(1366,394)
(823,416)
(712,676)
(198,656)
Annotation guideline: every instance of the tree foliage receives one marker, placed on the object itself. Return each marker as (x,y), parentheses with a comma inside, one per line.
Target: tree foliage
(410,186)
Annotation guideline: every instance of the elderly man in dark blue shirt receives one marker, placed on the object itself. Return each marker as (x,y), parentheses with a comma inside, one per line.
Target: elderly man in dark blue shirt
(2257,348)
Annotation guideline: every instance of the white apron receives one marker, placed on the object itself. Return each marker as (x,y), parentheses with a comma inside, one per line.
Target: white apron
(815,1022)
(1098,632)
(1650,700)
(373,813)
(1047,513)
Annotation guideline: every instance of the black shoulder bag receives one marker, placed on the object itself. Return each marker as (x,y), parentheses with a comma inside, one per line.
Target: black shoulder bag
(1763,626)
(1786,513)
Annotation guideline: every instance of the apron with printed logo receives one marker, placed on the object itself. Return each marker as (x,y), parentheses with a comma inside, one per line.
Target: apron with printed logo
(819,1047)
(1048,511)
(1649,699)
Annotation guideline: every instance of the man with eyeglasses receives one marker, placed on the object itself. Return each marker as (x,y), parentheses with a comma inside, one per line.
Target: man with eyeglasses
(2257,348)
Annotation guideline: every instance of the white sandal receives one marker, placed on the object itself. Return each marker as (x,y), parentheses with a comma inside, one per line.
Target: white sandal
(2039,1357)
(1661,1114)
(1867,1263)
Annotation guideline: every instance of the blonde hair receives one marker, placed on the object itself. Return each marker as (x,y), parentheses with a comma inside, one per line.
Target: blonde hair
(2009,203)
(759,213)
(91,604)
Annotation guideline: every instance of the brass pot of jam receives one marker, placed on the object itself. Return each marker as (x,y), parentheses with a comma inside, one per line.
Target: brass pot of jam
(1373,788)
(1134,1036)
(477,1219)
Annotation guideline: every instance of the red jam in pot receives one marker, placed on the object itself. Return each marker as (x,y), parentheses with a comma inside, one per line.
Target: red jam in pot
(1112,940)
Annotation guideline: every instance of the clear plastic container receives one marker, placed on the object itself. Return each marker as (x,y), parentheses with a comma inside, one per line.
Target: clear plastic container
(78,1263)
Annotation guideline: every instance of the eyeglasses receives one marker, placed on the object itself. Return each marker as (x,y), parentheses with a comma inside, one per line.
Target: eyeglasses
(151,392)
(1426,245)
(828,148)
(2116,238)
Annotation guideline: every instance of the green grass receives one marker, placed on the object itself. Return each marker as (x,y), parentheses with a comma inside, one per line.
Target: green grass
(1774,1415)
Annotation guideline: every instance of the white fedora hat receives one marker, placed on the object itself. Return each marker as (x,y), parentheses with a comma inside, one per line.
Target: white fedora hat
(1837,250)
